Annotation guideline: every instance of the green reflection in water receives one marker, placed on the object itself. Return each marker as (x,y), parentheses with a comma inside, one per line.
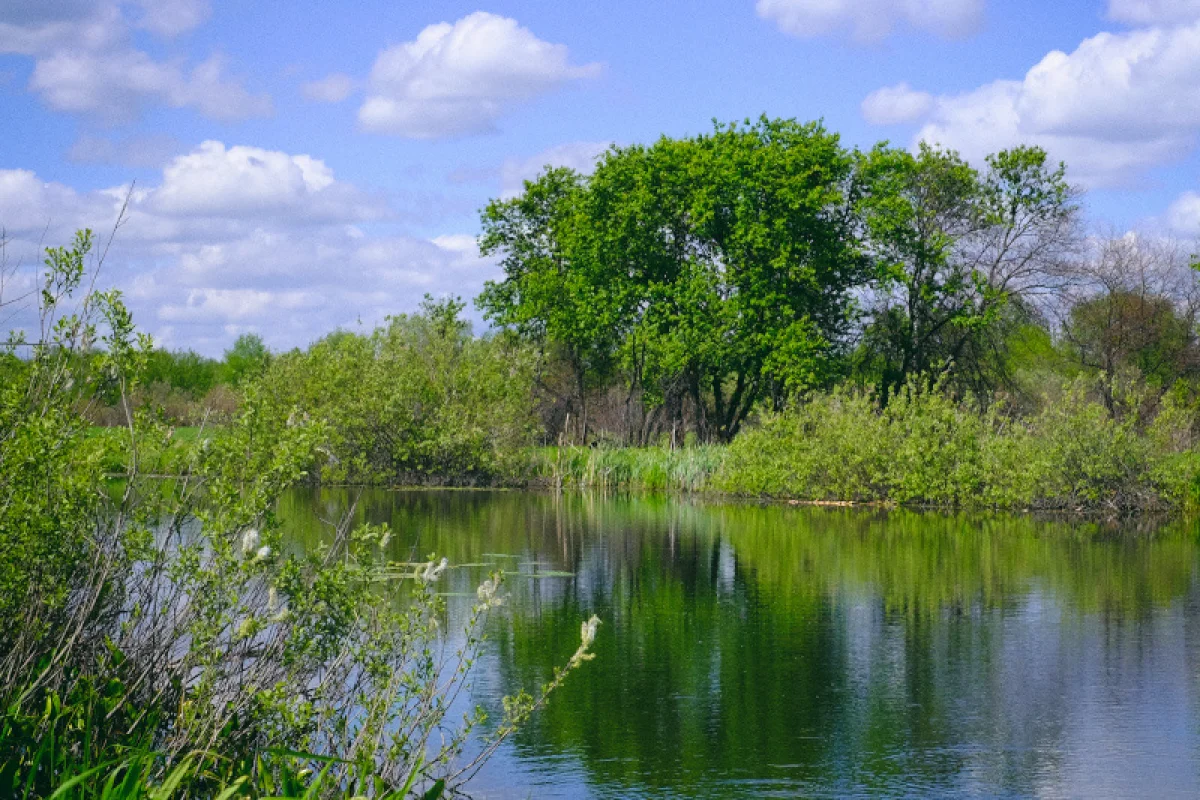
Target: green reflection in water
(752,649)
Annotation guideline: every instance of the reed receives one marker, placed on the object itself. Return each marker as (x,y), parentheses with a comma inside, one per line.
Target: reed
(656,469)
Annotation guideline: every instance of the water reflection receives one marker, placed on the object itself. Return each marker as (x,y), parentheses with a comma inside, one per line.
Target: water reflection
(766,651)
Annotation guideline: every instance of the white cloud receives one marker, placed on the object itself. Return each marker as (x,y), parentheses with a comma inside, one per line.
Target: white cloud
(1153,12)
(579,156)
(234,238)
(872,20)
(460,78)
(216,181)
(84,62)
(1117,105)
(1183,217)
(895,104)
(461,243)
(116,86)
(29,205)
(331,89)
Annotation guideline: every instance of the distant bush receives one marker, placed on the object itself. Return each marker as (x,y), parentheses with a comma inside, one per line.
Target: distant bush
(924,448)
(419,400)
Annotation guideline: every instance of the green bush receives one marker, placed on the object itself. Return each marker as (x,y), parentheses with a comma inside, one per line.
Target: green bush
(924,448)
(419,400)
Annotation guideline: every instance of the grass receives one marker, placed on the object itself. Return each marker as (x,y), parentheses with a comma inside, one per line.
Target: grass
(661,469)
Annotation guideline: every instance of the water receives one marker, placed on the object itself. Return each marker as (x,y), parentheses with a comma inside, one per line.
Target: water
(753,651)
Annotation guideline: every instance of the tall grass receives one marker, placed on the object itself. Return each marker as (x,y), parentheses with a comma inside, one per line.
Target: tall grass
(639,469)
(148,775)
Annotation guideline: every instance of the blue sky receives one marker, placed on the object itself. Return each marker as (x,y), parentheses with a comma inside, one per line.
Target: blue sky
(304,166)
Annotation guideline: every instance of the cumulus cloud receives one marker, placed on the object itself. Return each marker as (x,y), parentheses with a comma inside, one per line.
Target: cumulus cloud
(1114,107)
(331,89)
(870,21)
(84,62)
(579,156)
(1153,12)
(459,78)
(895,104)
(233,239)
(231,182)
(29,205)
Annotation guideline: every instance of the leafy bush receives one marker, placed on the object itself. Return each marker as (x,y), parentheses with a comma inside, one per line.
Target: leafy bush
(924,448)
(418,400)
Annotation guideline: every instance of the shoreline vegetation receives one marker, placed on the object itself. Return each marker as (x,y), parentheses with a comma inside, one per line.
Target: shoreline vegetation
(923,449)
(160,639)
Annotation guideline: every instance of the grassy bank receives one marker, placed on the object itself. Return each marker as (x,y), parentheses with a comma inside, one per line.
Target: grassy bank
(924,449)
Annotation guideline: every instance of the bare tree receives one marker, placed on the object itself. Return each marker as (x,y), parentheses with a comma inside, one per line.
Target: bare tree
(1134,303)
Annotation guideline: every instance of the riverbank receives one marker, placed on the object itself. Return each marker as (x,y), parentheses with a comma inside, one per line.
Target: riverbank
(922,449)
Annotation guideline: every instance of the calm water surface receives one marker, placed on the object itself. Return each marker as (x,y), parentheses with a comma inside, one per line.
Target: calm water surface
(752,651)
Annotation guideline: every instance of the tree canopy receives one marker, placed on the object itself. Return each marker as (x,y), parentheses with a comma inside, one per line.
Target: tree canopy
(750,262)
(712,270)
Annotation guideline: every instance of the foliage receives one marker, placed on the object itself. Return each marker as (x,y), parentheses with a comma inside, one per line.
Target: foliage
(925,448)
(715,268)
(1122,330)
(49,470)
(248,358)
(955,248)
(160,637)
(185,370)
(418,400)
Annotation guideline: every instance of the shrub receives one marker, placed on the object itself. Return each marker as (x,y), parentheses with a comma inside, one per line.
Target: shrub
(418,400)
(924,448)
(158,634)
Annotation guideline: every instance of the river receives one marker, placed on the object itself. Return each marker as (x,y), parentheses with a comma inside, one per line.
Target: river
(777,651)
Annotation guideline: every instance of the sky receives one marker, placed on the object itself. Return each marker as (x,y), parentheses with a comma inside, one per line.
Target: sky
(288,168)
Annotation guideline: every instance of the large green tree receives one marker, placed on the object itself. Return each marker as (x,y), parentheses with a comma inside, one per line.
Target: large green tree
(716,268)
(741,247)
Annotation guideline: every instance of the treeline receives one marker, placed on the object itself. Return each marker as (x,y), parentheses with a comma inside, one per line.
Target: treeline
(685,286)
(188,388)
